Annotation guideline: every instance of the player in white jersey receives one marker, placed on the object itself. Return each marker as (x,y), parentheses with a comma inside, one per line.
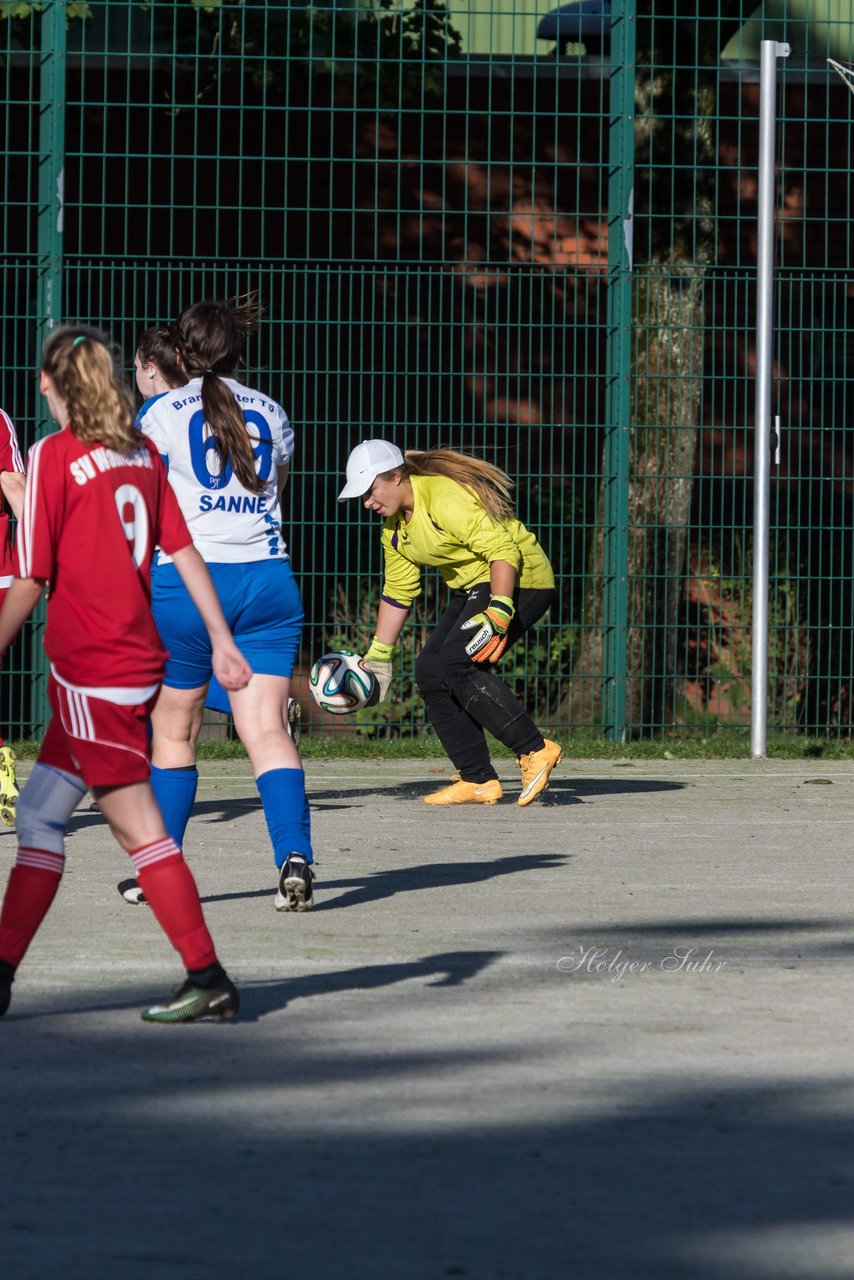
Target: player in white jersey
(157,372)
(227,448)
(233,519)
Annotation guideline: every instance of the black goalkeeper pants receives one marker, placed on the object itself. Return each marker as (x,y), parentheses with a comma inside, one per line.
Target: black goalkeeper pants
(464,698)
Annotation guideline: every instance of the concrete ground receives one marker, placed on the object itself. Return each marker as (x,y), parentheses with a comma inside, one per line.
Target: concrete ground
(608,1037)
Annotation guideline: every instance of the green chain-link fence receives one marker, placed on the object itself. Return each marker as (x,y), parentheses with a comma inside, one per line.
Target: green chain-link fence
(491,226)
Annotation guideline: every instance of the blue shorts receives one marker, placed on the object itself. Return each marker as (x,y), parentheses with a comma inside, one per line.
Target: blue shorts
(261,603)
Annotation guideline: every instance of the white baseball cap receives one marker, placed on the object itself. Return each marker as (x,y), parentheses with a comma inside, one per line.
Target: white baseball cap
(368,460)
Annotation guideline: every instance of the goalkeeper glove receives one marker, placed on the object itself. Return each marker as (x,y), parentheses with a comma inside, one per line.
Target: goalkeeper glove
(490,639)
(378,661)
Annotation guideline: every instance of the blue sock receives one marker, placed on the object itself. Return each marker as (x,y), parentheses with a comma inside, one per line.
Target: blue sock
(175,792)
(282,793)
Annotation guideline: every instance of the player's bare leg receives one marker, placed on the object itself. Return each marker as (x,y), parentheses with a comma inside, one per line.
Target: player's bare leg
(176,720)
(132,813)
(137,824)
(176,723)
(260,714)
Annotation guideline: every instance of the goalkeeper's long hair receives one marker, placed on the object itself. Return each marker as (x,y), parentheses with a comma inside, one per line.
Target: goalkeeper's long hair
(85,369)
(209,338)
(492,486)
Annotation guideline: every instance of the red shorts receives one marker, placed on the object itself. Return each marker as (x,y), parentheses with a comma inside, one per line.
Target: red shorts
(103,743)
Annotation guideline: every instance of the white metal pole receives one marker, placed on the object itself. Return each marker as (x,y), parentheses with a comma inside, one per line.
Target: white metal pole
(771,50)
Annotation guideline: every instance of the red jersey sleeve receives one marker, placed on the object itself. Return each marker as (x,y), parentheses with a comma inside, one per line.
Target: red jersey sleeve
(10,451)
(42,517)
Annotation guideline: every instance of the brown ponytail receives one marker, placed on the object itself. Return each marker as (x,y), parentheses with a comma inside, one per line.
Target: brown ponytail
(157,347)
(209,337)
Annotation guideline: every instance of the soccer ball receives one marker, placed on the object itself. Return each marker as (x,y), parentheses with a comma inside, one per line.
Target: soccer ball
(341,683)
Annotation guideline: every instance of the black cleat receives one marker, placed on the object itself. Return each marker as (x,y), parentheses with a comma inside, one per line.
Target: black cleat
(296,881)
(7,977)
(191,1003)
(131,891)
(294,720)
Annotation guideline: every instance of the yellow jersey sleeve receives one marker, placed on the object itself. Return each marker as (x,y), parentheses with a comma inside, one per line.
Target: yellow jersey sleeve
(402,581)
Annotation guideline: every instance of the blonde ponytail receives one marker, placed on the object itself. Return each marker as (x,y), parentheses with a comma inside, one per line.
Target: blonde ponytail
(82,365)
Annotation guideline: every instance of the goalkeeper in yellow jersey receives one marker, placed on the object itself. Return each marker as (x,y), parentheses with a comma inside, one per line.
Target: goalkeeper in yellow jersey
(449,511)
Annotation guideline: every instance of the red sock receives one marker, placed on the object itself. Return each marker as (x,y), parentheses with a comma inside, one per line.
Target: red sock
(171,892)
(29,893)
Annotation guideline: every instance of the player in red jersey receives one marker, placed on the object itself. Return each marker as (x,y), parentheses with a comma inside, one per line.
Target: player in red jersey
(12,489)
(97,502)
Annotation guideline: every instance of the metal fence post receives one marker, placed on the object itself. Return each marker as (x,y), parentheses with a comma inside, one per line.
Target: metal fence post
(770,52)
(51,164)
(52,68)
(617,452)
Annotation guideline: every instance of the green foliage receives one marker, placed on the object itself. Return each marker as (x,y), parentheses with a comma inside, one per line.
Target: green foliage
(382,56)
(723,639)
(354,617)
(12,9)
(19,11)
(722,745)
(536,669)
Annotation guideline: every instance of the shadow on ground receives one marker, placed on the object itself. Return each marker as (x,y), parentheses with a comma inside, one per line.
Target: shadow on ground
(216,1151)
(560,792)
(409,879)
